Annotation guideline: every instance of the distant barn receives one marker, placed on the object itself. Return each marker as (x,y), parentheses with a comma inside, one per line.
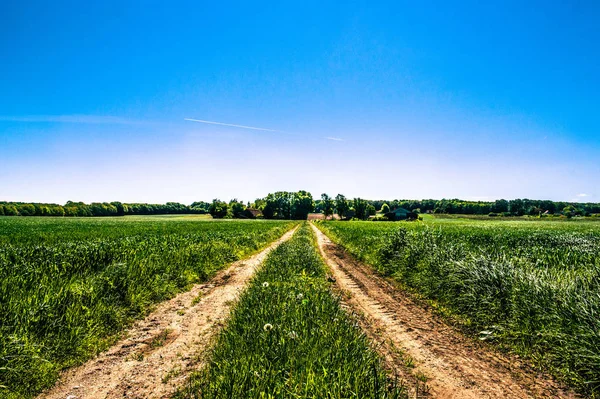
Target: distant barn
(251,213)
(401,214)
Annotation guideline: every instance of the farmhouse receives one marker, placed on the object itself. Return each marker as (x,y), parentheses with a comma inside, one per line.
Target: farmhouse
(401,214)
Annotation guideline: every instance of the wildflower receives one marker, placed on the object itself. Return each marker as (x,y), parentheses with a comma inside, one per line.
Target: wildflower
(299,296)
(268,327)
(293,335)
(265,284)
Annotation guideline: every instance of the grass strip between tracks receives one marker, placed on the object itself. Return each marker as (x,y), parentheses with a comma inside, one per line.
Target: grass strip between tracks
(289,337)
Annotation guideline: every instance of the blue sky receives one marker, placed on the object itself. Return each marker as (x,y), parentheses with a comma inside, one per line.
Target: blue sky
(467,100)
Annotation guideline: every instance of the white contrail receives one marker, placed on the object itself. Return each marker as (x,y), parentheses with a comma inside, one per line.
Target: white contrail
(232,125)
(251,127)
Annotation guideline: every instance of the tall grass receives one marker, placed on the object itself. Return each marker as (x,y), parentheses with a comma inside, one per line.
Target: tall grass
(68,284)
(531,287)
(288,337)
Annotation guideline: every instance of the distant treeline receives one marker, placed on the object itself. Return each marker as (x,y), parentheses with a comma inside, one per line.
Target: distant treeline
(297,205)
(502,207)
(99,209)
(515,207)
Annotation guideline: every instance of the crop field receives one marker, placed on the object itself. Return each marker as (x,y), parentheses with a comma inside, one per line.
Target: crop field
(530,287)
(67,286)
(345,314)
(289,337)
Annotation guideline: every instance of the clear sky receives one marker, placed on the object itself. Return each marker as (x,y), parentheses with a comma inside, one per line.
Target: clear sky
(397,100)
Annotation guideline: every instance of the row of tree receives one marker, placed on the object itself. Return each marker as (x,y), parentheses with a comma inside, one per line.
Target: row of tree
(96,209)
(297,205)
(517,207)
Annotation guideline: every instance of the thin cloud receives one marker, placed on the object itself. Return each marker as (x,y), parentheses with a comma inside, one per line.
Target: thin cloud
(334,138)
(583,195)
(87,119)
(232,125)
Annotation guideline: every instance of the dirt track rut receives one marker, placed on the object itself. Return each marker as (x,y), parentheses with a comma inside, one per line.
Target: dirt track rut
(162,349)
(455,366)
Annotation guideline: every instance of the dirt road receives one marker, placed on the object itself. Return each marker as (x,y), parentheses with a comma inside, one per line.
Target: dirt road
(162,349)
(435,359)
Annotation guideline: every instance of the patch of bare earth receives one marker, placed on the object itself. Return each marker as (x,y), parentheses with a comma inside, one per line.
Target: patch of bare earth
(434,358)
(160,351)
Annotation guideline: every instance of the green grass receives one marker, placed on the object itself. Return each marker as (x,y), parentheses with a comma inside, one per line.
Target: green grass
(288,337)
(68,285)
(530,286)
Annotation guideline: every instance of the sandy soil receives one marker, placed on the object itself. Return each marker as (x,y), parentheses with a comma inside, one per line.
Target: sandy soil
(433,358)
(159,352)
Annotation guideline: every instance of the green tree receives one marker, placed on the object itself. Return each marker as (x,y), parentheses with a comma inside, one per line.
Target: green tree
(278,205)
(302,205)
(57,210)
(26,210)
(341,205)
(120,208)
(237,208)
(385,208)
(218,209)
(371,210)
(327,205)
(360,208)
(11,210)
(516,207)
(200,207)
(259,204)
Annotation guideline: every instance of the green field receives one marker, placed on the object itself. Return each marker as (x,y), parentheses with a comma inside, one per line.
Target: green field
(288,337)
(532,287)
(68,285)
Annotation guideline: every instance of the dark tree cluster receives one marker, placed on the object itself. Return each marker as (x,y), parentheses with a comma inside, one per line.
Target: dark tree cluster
(279,205)
(288,205)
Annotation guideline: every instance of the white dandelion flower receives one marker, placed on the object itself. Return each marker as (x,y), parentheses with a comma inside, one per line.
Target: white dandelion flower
(268,327)
(265,284)
(299,296)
